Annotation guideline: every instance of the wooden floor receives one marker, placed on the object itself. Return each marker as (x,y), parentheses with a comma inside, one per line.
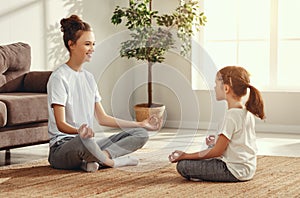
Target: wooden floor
(273,144)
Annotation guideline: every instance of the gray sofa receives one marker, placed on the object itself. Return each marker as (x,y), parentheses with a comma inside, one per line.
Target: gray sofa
(23,99)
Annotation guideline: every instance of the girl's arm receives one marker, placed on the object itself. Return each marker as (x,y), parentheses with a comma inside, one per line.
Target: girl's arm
(216,151)
(103,119)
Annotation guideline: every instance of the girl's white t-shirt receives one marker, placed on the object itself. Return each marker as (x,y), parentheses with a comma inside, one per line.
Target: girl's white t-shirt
(77,92)
(240,155)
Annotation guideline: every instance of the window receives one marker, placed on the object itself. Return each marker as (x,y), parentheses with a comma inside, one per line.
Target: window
(261,35)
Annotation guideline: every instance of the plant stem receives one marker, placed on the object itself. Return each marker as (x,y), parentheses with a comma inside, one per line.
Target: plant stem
(150,84)
(150,8)
(150,69)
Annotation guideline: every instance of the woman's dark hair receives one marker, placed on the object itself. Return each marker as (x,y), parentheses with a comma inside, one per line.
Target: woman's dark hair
(238,79)
(73,28)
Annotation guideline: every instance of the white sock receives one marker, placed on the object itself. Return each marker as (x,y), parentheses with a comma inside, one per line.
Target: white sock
(125,161)
(89,166)
(195,179)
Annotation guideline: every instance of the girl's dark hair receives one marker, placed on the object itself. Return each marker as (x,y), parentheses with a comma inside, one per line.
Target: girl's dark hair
(73,28)
(239,80)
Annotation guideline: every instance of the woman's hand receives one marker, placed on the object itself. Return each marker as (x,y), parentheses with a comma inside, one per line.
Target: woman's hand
(176,156)
(85,132)
(152,123)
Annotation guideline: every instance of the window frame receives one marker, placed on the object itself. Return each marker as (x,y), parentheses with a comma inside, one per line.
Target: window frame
(273,84)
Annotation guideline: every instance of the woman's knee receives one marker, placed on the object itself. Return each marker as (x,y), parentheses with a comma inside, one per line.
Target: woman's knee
(145,135)
(142,134)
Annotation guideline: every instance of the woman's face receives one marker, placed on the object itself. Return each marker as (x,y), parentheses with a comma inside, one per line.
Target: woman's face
(84,47)
(219,88)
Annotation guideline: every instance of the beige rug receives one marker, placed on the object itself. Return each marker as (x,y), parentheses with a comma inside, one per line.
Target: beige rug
(275,177)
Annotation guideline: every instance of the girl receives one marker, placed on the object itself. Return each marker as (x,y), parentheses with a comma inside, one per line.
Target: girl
(233,156)
(73,100)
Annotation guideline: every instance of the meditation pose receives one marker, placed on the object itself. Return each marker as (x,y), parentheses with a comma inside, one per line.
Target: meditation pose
(74,100)
(231,155)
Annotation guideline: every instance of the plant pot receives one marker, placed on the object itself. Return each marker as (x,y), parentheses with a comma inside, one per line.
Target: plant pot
(142,111)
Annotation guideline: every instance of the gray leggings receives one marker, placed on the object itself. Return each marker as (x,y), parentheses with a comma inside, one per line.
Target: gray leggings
(69,152)
(205,170)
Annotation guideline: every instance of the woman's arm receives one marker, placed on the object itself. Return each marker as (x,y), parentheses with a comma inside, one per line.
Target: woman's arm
(59,113)
(216,151)
(107,120)
(62,125)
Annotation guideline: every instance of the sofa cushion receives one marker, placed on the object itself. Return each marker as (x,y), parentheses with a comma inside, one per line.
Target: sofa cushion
(15,85)
(36,81)
(23,108)
(3,114)
(14,61)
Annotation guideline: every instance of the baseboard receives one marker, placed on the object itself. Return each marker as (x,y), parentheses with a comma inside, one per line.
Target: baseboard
(277,128)
(260,127)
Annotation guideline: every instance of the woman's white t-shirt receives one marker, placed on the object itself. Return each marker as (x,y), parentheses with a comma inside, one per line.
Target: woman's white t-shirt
(77,92)
(240,155)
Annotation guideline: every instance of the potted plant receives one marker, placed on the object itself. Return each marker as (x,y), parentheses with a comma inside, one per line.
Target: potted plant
(151,36)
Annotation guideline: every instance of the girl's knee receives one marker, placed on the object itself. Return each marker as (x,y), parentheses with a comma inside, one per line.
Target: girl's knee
(180,167)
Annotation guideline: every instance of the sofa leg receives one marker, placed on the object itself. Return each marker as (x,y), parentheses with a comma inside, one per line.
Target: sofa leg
(7,157)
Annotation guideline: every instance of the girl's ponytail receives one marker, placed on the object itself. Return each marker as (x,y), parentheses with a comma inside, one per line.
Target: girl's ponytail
(255,103)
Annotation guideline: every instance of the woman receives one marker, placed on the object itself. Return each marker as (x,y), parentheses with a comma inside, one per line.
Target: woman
(74,100)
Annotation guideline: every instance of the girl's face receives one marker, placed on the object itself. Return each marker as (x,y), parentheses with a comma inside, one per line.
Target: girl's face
(84,47)
(219,88)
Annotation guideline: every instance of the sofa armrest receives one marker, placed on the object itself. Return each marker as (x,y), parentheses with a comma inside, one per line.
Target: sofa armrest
(36,81)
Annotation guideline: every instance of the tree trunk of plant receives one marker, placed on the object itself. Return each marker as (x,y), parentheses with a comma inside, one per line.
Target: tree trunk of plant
(150,64)
(150,70)
(150,8)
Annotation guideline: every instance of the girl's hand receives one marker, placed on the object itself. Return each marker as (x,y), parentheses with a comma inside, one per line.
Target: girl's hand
(85,132)
(152,123)
(210,140)
(176,156)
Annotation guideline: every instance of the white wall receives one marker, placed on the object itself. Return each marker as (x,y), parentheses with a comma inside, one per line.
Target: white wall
(37,22)
(24,21)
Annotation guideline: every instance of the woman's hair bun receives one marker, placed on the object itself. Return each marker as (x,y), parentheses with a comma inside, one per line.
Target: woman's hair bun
(73,23)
